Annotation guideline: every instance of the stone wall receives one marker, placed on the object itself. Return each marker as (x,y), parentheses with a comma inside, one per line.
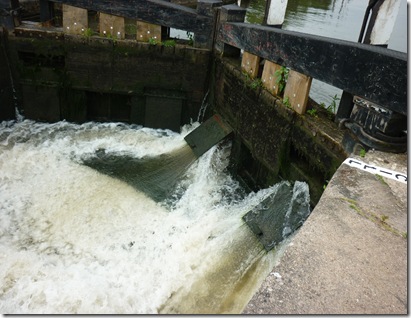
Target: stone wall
(81,78)
(271,140)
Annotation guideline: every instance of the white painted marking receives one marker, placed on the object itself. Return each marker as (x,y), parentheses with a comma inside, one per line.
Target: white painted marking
(398,176)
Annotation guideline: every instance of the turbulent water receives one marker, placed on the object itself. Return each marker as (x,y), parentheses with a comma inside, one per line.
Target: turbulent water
(75,240)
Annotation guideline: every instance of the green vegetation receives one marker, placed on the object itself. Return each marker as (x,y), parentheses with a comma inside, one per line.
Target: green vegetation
(381,179)
(312,112)
(286,102)
(332,107)
(88,32)
(169,43)
(379,220)
(282,77)
(256,83)
(362,152)
(383,218)
(130,29)
(153,41)
(190,37)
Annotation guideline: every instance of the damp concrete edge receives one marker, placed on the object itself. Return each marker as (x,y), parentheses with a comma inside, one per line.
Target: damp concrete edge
(350,256)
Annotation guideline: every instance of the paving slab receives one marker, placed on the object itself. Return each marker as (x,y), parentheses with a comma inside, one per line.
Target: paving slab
(350,256)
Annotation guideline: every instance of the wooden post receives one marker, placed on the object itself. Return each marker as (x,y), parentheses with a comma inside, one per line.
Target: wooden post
(250,64)
(229,13)
(75,20)
(269,77)
(147,31)
(297,90)
(275,12)
(112,26)
(207,8)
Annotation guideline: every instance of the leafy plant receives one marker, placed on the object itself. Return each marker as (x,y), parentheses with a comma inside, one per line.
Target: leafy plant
(190,37)
(169,43)
(256,83)
(286,102)
(312,112)
(362,152)
(332,107)
(153,41)
(88,32)
(130,29)
(282,77)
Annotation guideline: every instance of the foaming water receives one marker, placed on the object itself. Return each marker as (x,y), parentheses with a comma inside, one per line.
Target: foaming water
(74,240)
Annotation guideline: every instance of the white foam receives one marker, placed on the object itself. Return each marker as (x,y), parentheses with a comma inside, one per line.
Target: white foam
(73,240)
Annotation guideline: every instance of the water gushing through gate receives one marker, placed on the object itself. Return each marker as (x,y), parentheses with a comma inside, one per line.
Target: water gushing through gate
(74,240)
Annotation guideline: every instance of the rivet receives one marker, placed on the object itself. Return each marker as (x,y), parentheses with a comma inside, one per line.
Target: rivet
(298,105)
(294,95)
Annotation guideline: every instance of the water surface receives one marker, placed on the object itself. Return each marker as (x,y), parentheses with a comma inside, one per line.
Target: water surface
(74,240)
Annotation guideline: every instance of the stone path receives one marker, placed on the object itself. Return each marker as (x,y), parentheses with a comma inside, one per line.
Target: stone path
(350,256)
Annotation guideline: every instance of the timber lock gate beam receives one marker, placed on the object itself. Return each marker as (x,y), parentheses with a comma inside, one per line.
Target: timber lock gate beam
(376,76)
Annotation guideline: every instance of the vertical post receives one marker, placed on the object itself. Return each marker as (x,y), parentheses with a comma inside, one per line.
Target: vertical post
(75,20)
(344,107)
(297,90)
(275,12)
(269,77)
(228,13)
(147,31)
(112,26)
(207,8)
(46,11)
(382,21)
(250,64)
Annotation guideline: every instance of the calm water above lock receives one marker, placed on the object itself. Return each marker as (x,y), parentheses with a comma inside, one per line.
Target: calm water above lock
(339,19)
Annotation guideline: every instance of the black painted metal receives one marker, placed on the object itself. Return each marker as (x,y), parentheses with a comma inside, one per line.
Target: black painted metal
(371,4)
(374,73)
(9,13)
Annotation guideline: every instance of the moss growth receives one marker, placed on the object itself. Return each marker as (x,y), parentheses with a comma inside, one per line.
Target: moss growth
(378,220)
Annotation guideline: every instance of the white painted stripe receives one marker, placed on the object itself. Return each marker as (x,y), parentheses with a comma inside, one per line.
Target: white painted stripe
(398,176)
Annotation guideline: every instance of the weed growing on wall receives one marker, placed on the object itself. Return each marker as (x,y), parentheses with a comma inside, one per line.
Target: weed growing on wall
(282,77)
